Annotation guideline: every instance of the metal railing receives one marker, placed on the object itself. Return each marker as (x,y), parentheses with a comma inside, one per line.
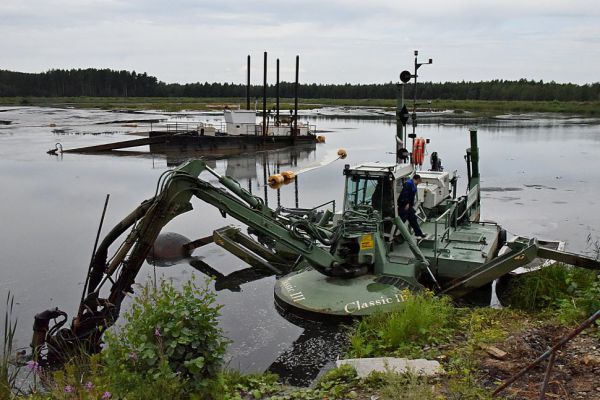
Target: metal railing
(182,127)
(287,132)
(221,127)
(332,202)
(446,220)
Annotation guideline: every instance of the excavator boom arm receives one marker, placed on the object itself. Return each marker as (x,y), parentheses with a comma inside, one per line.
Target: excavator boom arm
(146,221)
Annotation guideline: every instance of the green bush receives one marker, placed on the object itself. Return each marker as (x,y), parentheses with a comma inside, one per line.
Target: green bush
(169,343)
(569,293)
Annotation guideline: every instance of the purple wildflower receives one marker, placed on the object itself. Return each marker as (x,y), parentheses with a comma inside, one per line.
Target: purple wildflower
(69,389)
(157,332)
(88,386)
(133,356)
(34,367)
(106,395)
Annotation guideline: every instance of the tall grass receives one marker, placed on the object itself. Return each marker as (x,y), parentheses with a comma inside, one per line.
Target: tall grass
(8,374)
(422,319)
(568,293)
(408,386)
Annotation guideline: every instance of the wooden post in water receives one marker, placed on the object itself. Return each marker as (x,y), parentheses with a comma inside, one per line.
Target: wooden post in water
(296,99)
(264,124)
(248,84)
(277,92)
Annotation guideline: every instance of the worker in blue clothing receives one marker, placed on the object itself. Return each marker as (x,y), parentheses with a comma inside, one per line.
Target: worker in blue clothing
(406,204)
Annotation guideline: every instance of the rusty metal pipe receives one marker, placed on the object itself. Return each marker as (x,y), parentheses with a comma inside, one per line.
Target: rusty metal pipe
(41,324)
(557,346)
(547,376)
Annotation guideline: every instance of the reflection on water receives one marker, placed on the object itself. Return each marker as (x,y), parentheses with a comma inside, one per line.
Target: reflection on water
(541,179)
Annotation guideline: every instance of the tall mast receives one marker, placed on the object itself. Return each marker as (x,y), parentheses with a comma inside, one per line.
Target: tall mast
(402,112)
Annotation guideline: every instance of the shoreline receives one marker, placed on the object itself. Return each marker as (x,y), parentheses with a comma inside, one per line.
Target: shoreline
(456,108)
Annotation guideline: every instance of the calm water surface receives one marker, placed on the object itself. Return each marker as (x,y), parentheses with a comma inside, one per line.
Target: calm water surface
(540,177)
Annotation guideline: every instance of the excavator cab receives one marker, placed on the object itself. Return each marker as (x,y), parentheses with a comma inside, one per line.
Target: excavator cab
(376,186)
(374,191)
(373,186)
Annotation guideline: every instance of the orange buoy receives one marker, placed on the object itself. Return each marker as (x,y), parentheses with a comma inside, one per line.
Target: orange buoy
(288,176)
(276,185)
(320,139)
(275,179)
(342,153)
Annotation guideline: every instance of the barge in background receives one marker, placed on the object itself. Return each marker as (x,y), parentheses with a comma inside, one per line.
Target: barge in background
(242,133)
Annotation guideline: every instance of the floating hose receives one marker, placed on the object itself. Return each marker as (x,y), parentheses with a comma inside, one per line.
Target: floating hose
(289,176)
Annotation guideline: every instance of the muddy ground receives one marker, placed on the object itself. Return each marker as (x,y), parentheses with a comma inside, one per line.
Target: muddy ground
(576,373)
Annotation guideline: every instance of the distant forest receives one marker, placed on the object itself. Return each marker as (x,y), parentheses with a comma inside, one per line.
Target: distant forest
(109,83)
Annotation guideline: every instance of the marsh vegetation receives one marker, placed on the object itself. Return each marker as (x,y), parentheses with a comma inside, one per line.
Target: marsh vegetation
(170,344)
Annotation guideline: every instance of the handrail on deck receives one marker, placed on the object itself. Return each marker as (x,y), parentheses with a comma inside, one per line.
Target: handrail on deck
(332,202)
(446,216)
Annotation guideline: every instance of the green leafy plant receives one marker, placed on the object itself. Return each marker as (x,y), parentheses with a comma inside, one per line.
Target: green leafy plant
(250,386)
(81,378)
(170,342)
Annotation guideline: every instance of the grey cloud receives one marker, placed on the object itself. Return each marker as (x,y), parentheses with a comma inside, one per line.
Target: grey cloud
(340,40)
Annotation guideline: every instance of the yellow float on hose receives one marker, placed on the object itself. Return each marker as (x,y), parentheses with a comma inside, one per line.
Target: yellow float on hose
(288,176)
(342,153)
(275,179)
(320,139)
(276,185)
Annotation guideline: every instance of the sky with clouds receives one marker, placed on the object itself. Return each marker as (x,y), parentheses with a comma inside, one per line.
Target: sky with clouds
(356,41)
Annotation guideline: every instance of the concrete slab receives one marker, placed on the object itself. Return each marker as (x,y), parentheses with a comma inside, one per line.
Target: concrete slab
(364,366)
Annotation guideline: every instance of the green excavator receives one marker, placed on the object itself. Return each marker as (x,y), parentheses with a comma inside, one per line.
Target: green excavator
(349,263)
